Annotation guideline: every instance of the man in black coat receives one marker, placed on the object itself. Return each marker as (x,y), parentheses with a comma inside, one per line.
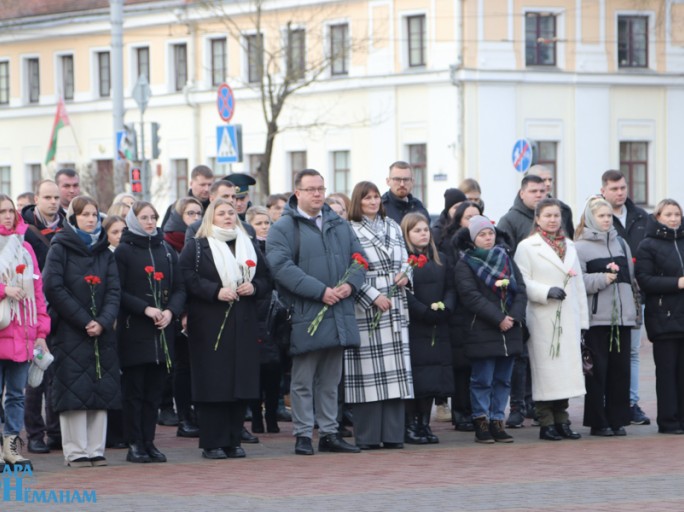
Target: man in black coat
(201,180)
(398,200)
(69,183)
(630,222)
(566,212)
(44,219)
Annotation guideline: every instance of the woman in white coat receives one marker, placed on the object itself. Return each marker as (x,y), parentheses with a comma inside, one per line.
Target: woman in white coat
(556,315)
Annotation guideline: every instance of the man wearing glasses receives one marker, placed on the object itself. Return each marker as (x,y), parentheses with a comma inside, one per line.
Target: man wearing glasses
(398,200)
(309,250)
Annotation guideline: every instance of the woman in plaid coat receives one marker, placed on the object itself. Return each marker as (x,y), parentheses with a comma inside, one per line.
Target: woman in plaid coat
(378,373)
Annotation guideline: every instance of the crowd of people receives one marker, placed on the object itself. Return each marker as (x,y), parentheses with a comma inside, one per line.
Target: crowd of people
(387,315)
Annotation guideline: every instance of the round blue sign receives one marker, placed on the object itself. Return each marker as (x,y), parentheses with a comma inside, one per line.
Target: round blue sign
(225,102)
(522,155)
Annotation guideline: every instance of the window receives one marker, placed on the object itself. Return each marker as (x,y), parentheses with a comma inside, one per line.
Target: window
(634,165)
(632,41)
(341,171)
(255,57)
(218,61)
(418,160)
(104,74)
(548,157)
(33,74)
(180,171)
(34,174)
(4,83)
(296,52)
(297,162)
(5,180)
(540,39)
(339,49)
(180,66)
(67,77)
(142,63)
(416,40)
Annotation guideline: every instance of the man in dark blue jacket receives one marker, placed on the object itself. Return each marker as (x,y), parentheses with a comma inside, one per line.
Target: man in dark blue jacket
(309,250)
(398,200)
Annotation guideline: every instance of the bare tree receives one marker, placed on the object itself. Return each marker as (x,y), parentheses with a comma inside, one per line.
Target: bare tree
(280,67)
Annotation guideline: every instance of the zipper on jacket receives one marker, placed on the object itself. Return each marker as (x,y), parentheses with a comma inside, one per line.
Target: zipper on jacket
(681,263)
(473,322)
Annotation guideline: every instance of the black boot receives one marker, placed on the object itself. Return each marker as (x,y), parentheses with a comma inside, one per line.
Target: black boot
(549,433)
(412,435)
(426,431)
(136,453)
(496,428)
(482,433)
(564,430)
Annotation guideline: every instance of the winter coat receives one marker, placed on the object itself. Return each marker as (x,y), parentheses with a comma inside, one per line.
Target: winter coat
(396,208)
(482,336)
(140,341)
(596,250)
(324,257)
(229,371)
(380,368)
(174,231)
(560,377)
(75,385)
(38,235)
(17,339)
(566,220)
(635,228)
(430,362)
(517,223)
(269,351)
(659,265)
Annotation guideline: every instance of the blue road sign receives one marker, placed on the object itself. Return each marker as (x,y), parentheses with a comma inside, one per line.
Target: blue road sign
(229,144)
(522,155)
(120,144)
(225,102)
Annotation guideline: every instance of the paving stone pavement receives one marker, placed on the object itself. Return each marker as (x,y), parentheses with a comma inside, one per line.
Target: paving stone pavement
(642,471)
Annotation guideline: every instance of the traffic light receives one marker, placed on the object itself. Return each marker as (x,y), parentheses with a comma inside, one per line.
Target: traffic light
(131,143)
(155,140)
(136,180)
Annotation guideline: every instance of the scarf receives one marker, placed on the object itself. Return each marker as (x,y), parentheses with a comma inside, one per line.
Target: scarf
(491,266)
(134,226)
(556,242)
(51,226)
(232,269)
(89,239)
(13,254)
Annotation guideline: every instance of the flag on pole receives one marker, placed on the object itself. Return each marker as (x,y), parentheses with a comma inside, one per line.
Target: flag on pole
(61,119)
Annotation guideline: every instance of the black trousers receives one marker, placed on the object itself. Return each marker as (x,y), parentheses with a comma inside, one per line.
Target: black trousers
(521,382)
(142,386)
(220,423)
(606,403)
(460,401)
(182,386)
(269,375)
(36,428)
(669,362)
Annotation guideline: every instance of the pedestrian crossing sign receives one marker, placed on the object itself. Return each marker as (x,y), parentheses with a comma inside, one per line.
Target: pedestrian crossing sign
(229,144)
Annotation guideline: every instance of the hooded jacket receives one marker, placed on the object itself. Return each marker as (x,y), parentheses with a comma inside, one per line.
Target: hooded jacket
(659,265)
(517,223)
(76,385)
(396,208)
(39,235)
(635,229)
(324,256)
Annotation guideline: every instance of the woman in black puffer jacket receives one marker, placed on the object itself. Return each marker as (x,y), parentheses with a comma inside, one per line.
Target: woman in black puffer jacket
(84,385)
(660,272)
(491,289)
(145,330)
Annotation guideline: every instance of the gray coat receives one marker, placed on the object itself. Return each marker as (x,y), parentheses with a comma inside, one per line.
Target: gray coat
(596,250)
(517,223)
(324,256)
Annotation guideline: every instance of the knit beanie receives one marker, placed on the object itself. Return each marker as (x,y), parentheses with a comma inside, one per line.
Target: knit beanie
(453,196)
(477,224)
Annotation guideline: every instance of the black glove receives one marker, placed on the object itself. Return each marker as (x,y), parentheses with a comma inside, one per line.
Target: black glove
(556,293)
(436,317)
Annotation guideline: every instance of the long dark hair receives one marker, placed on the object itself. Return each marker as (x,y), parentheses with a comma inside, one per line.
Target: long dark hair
(361,190)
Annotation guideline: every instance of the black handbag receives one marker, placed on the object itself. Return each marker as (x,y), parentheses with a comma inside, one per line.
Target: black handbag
(587,358)
(278,322)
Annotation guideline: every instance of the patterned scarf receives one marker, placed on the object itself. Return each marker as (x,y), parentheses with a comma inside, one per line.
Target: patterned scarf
(491,266)
(556,242)
(13,254)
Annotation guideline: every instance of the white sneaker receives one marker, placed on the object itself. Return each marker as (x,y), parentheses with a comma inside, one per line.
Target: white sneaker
(443,412)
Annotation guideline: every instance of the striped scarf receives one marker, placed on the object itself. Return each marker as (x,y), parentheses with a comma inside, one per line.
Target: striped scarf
(491,266)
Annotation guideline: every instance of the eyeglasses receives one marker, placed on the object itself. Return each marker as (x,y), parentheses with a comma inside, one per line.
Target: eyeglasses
(314,190)
(147,218)
(401,180)
(193,213)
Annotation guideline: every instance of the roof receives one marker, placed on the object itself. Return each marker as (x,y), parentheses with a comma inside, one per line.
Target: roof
(10,9)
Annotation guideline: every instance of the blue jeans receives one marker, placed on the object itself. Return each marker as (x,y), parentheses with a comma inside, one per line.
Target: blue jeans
(490,386)
(634,366)
(15,376)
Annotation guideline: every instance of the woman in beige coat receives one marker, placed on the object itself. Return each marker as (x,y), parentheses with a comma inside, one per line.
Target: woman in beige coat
(556,314)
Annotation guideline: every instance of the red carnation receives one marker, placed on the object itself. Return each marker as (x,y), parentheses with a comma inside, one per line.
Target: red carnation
(250,264)
(149,269)
(20,268)
(158,276)
(358,258)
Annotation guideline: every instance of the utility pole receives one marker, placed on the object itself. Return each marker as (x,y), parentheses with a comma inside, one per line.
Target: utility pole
(116,15)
